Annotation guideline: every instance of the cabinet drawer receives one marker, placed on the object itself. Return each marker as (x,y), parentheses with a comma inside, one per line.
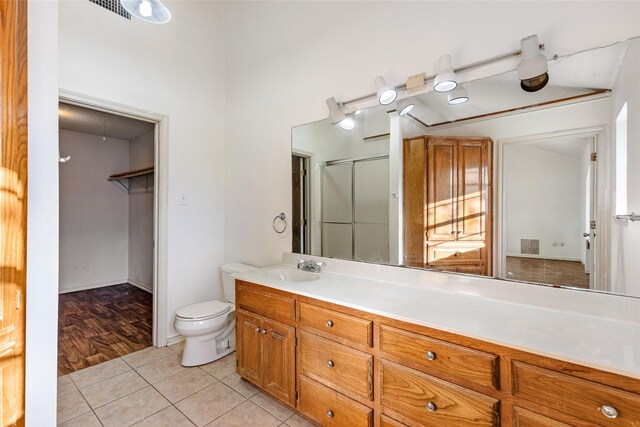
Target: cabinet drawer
(329,408)
(430,401)
(437,254)
(276,307)
(390,422)
(468,364)
(339,324)
(580,398)
(525,418)
(345,367)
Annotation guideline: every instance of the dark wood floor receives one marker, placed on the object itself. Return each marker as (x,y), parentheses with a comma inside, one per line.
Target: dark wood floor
(551,271)
(101,324)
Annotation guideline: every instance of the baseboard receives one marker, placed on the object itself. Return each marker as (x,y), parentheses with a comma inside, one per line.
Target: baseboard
(174,339)
(141,286)
(91,286)
(554,258)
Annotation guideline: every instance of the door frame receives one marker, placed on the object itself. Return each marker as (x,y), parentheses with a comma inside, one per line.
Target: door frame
(160,187)
(598,135)
(312,204)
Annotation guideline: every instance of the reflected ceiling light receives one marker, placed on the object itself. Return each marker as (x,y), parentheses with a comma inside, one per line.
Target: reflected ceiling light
(445,81)
(532,70)
(386,94)
(336,115)
(348,123)
(458,96)
(153,11)
(404,106)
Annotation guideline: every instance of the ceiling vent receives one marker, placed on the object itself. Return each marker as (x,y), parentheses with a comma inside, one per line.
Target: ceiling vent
(113,6)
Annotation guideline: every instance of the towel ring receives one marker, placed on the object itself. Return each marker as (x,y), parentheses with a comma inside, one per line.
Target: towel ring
(282,217)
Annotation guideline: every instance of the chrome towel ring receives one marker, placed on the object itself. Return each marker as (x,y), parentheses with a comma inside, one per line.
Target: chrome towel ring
(276,227)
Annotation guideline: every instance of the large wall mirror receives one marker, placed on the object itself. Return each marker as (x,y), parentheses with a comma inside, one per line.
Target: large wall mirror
(537,187)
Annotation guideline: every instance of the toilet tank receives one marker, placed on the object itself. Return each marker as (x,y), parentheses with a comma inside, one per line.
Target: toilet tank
(228,282)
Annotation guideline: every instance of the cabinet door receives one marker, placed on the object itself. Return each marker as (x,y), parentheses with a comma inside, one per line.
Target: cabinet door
(278,360)
(472,184)
(441,189)
(249,347)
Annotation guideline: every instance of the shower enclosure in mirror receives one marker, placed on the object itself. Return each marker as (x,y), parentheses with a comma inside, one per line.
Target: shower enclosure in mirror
(517,185)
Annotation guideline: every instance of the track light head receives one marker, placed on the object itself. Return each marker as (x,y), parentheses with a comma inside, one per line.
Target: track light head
(386,94)
(336,115)
(458,96)
(532,70)
(404,106)
(152,11)
(445,81)
(348,123)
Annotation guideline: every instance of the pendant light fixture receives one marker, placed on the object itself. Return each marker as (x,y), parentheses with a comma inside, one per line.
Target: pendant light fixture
(445,81)
(458,96)
(404,106)
(386,94)
(152,11)
(532,70)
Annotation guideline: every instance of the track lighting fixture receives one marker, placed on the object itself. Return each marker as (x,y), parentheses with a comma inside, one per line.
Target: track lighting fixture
(458,96)
(532,70)
(348,123)
(404,106)
(153,11)
(445,81)
(336,115)
(386,94)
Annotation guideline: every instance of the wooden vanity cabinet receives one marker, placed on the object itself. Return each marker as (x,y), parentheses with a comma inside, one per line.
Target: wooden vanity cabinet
(343,367)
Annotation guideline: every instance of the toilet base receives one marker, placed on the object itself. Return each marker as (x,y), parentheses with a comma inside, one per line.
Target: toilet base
(207,348)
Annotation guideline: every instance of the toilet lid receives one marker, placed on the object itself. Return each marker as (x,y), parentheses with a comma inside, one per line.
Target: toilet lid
(203,310)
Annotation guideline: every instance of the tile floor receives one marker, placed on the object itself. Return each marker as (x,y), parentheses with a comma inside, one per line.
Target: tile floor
(151,388)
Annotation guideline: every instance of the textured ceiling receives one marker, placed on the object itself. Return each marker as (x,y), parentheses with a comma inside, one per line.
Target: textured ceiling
(84,120)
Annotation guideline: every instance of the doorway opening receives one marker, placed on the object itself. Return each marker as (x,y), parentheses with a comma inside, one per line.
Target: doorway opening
(548,210)
(110,284)
(300,182)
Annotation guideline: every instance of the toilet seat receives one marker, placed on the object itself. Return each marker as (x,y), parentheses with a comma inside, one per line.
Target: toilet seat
(203,310)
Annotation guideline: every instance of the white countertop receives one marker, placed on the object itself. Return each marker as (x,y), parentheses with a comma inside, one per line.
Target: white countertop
(610,344)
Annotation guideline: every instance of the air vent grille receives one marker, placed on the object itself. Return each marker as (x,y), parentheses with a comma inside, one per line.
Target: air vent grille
(113,6)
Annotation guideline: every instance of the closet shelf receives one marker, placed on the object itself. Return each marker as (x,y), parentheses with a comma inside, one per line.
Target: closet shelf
(133,174)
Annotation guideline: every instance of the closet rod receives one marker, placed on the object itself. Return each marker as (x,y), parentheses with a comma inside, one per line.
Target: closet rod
(131,174)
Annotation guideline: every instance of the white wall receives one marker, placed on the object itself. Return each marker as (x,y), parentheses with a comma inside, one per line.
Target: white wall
(94,213)
(542,192)
(285,58)
(177,69)
(625,234)
(141,213)
(42,221)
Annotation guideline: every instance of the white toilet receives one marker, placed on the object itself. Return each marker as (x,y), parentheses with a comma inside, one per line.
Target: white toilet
(209,327)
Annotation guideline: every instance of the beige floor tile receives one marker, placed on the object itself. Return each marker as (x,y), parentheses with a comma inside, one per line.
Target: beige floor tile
(162,368)
(208,404)
(184,384)
(97,373)
(272,406)
(71,405)
(169,417)
(132,408)
(65,385)
(177,347)
(299,421)
(243,387)
(87,420)
(247,414)
(113,388)
(221,367)
(147,355)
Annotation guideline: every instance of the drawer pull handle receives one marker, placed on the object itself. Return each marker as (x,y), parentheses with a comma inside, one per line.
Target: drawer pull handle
(330,413)
(431,407)
(431,355)
(330,363)
(257,329)
(328,323)
(609,411)
(264,332)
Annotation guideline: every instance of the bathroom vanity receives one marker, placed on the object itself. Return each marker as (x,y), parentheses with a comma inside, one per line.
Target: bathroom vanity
(385,346)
